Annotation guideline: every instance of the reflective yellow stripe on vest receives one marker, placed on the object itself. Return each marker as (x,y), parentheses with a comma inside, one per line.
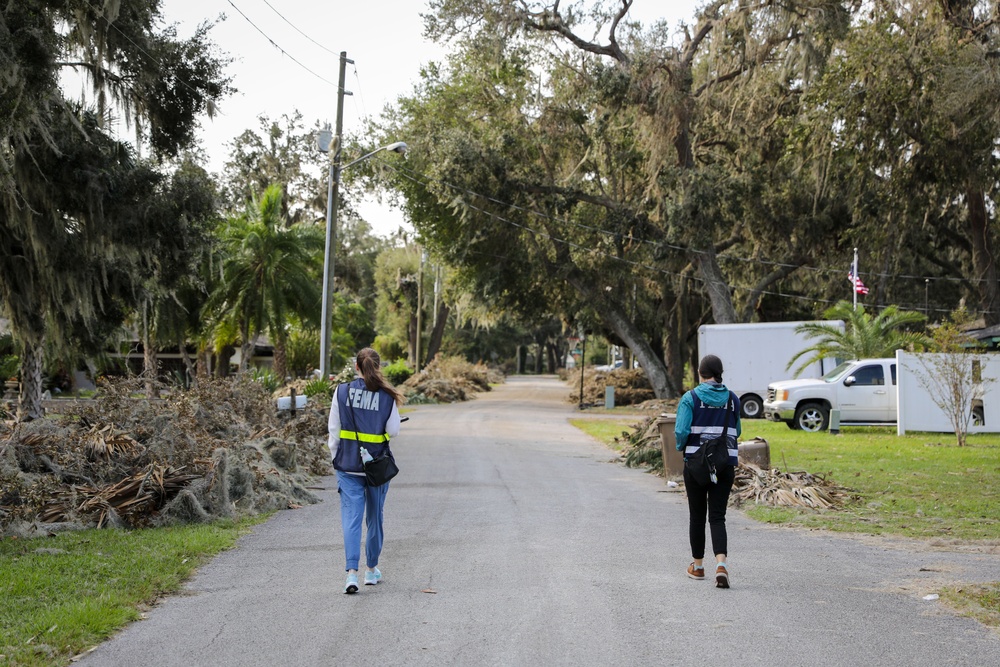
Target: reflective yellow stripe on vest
(363,437)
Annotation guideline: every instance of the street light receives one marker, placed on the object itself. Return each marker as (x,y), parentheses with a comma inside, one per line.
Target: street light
(326,141)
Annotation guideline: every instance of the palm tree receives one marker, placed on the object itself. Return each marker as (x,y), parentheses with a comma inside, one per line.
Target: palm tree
(269,271)
(864,336)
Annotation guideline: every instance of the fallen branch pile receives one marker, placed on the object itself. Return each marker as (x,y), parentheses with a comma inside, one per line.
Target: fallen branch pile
(217,450)
(632,387)
(786,489)
(449,380)
(641,449)
(121,503)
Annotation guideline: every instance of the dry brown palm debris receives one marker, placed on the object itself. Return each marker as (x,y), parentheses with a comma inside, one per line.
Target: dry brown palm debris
(789,489)
(134,496)
(106,443)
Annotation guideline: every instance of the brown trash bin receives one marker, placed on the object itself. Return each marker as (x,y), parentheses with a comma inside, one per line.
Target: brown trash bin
(673,460)
(756,452)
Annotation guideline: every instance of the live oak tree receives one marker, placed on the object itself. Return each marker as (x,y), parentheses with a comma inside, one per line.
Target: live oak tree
(579,164)
(77,238)
(169,312)
(904,124)
(566,159)
(281,151)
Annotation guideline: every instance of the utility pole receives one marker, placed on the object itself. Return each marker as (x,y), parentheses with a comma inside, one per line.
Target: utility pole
(420,306)
(332,202)
(437,290)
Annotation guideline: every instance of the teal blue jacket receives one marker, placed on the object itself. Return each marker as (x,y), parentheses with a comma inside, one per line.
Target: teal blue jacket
(712,393)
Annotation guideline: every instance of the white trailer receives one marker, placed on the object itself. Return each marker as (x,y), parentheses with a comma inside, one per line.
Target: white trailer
(754,355)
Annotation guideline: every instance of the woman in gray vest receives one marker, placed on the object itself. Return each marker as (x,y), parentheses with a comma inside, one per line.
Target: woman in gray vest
(703,414)
(364,414)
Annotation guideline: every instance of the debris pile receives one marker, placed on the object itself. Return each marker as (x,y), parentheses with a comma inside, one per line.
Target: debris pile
(449,380)
(642,449)
(786,489)
(641,446)
(217,450)
(631,386)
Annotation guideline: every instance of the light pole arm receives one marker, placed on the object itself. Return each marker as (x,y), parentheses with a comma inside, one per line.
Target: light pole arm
(398,147)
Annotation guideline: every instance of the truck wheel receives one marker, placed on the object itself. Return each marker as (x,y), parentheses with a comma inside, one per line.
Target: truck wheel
(978,417)
(751,407)
(790,423)
(812,417)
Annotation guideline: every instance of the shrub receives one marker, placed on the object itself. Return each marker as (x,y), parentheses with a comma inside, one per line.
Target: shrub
(266,378)
(9,367)
(319,387)
(388,347)
(398,372)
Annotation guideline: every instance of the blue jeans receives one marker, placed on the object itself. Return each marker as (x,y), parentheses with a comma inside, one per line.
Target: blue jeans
(357,500)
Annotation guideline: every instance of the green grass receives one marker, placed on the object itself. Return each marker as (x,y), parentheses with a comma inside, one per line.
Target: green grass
(917,485)
(980,601)
(604,430)
(62,595)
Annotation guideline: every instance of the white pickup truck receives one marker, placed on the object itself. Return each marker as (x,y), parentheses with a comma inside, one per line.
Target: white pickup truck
(863,390)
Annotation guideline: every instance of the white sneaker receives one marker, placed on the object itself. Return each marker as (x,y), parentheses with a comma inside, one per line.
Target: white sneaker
(372,577)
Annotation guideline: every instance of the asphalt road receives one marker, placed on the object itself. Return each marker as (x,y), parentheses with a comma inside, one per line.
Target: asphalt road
(540,549)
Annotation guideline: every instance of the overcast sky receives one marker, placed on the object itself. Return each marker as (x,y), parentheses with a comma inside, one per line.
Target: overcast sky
(287,57)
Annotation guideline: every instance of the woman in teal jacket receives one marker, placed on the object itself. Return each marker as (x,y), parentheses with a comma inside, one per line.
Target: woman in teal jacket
(702,415)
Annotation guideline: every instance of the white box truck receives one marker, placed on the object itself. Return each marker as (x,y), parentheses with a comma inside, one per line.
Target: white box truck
(757,354)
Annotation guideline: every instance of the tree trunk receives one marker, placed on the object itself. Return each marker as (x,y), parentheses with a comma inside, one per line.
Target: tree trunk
(615,318)
(222,365)
(29,404)
(247,345)
(983,264)
(716,286)
(189,365)
(412,343)
(552,353)
(437,333)
(673,308)
(203,363)
(280,359)
(150,366)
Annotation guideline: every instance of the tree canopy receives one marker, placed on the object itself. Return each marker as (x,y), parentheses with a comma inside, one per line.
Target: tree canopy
(567,159)
(76,206)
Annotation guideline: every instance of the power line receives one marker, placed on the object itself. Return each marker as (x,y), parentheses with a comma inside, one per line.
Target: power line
(275,45)
(363,111)
(296,28)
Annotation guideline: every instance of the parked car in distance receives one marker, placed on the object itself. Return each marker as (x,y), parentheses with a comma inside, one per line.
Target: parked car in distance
(610,367)
(863,390)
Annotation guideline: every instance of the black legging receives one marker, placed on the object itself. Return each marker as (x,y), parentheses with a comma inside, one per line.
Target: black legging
(712,500)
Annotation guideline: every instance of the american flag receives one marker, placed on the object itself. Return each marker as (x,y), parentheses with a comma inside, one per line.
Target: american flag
(859,286)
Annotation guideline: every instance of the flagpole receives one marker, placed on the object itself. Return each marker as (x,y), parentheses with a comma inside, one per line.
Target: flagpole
(854,281)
